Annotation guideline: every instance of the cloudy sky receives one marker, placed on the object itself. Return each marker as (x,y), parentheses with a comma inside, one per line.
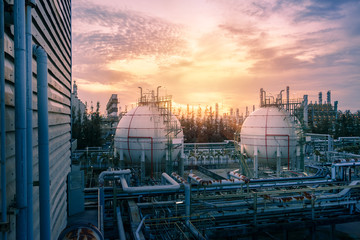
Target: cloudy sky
(224,51)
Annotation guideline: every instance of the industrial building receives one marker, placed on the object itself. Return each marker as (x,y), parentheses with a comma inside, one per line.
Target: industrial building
(35,78)
(266,183)
(112,106)
(77,106)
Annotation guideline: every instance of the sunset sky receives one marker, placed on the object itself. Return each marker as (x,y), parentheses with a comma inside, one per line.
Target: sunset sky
(224,51)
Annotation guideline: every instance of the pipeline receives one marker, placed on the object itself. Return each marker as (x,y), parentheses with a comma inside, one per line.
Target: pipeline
(214,182)
(112,173)
(178,177)
(194,231)
(29,122)
(236,175)
(137,235)
(20,117)
(43,149)
(120,224)
(173,186)
(2,118)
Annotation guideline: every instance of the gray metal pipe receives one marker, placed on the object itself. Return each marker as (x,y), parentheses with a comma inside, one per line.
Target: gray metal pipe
(173,186)
(120,225)
(216,182)
(112,173)
(139,227)
(187,200)
(2,118)
(43,135)
(29,123)
(20,117)
(194,231)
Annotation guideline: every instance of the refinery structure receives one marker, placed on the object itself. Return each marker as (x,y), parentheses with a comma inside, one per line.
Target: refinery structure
(272,179)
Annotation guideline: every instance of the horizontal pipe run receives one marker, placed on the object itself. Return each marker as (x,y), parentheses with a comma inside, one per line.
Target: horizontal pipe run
(112,173)
(174,186)
(215,182)
(236,175)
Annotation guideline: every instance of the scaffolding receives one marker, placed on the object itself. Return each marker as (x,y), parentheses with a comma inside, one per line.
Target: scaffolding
(172,128)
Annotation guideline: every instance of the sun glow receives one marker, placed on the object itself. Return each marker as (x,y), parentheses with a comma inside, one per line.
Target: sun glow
(139,66)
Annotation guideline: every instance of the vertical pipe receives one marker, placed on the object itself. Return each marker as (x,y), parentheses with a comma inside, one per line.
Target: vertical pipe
(29,128)
(142,165)
(43,128)
(287,98)
(2,118)
(306,109)
(255,208)
(182,158)
(278,162)
(20,118)
(187,200)
(102,209)
(256,167)
(298,158)
(122,165)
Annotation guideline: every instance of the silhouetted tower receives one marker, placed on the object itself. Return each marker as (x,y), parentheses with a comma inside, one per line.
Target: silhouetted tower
(328,97)
(216,111)
(320,98)
(287,98)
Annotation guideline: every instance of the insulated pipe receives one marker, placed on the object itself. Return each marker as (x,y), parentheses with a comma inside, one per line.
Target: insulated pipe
(2,118)
(236,175)
(174,186)
(20,117)
(43,129)
(29,123)
(112,173)
(215,182)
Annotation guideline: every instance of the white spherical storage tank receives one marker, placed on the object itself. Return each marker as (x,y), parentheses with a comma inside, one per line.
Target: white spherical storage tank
(270,129)
(144,133)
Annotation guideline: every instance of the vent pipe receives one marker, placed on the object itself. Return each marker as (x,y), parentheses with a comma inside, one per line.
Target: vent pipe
(157,93)
(141,96)
(43,135)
